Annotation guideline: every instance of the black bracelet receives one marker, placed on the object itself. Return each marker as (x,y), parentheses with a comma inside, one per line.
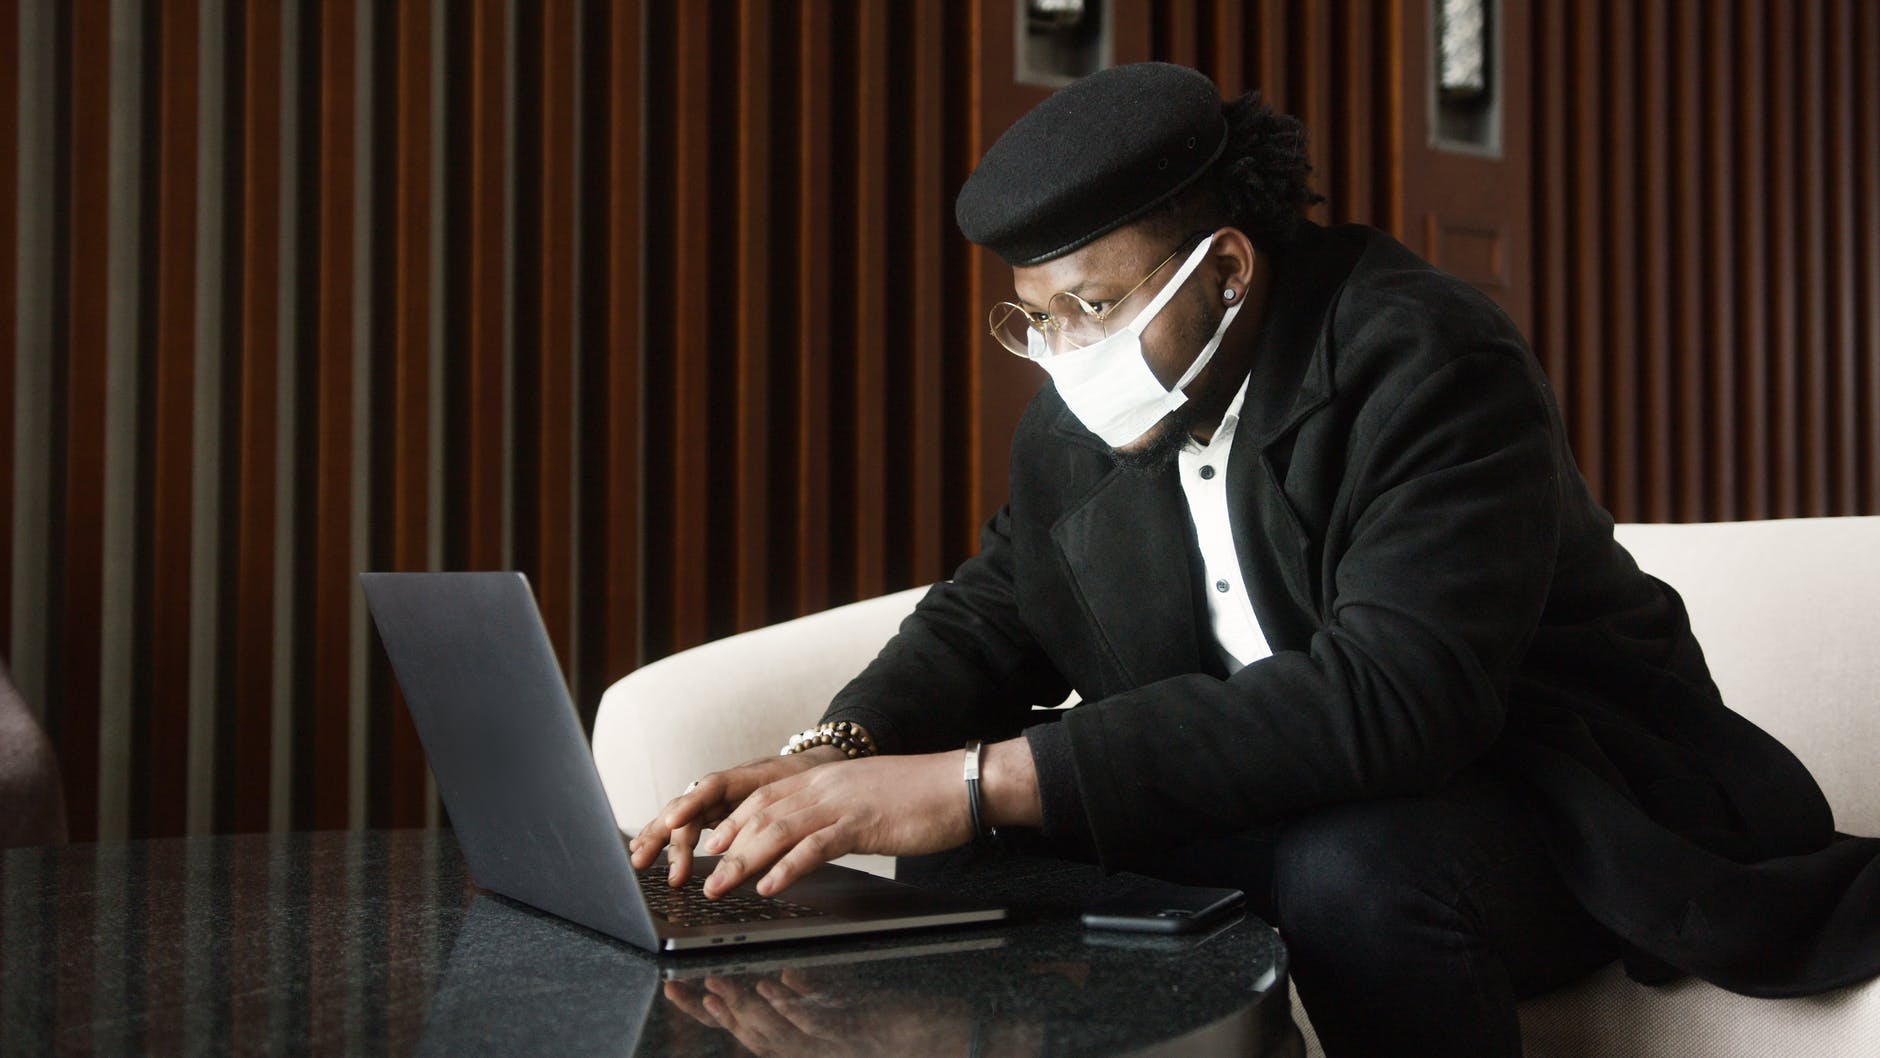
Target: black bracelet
(975,753)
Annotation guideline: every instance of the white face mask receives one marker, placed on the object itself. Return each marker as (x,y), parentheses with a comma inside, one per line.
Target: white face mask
(1108,385)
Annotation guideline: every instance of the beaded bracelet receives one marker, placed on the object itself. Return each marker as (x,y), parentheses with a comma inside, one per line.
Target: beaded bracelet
(851,738)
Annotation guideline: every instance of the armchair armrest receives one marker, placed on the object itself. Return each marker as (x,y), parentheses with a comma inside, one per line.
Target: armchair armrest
(730,700)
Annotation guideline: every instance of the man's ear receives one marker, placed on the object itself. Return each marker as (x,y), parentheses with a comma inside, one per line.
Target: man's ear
(1234,263)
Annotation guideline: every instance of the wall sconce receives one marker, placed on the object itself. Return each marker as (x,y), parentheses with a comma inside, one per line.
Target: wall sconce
(1055,14)
(1465,100)
(1059,41)
(1462,49)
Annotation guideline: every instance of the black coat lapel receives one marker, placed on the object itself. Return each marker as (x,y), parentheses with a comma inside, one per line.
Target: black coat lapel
(1273,548)
(1291,378)
(1128,546)
(1128,543)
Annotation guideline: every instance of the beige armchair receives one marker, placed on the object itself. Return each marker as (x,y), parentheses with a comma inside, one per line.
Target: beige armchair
(1788,615)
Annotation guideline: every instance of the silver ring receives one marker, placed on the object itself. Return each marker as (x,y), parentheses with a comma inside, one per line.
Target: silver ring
(693,786)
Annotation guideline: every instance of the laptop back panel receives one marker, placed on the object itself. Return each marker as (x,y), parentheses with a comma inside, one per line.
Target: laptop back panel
(487,696)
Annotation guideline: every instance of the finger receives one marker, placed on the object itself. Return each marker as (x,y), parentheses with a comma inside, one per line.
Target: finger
(753,1014)
(746,1034)
(699,799)
(687,1000)
(761,842)
(762,1019)
(679,855)
(759,801)
(720,1013)
(645,846)
(820,986)
(809,853)
(720,838)
(701,793)
(720,1001)
(726,829)
(808,1016)
(774,990)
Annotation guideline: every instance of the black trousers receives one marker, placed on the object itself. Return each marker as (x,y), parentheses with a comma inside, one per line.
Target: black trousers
(1414,924)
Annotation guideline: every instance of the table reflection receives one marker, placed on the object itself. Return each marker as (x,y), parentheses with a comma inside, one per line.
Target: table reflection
(799,1014)
(520,981)
(377,943)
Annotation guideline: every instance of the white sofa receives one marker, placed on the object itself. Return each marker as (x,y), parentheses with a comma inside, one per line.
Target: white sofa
(1789,616)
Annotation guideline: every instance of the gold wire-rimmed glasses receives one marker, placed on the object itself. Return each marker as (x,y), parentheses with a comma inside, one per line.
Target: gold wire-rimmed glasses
(1068,321)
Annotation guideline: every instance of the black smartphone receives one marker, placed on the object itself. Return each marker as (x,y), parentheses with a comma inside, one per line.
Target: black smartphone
(1164,908)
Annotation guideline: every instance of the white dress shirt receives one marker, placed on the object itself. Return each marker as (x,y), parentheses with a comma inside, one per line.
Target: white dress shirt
(1237,634)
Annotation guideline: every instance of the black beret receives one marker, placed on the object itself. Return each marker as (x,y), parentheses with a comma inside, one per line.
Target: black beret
(1094,156)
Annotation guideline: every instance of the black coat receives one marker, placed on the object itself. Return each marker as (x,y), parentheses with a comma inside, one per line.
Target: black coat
(1440,591)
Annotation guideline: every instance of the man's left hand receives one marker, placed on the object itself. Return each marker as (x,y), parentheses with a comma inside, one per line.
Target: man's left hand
(892,805)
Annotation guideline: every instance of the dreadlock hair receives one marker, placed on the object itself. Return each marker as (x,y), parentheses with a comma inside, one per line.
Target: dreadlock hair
(1257,185)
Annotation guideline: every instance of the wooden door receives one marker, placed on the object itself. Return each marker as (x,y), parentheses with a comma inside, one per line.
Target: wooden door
(1466,161)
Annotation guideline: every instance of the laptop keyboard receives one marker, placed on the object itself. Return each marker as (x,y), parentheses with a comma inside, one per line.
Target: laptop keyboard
(687,905)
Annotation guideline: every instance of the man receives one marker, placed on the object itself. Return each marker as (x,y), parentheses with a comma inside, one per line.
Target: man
(1297,520)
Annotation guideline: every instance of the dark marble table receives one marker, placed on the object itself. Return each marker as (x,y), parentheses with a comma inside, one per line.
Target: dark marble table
(376,942)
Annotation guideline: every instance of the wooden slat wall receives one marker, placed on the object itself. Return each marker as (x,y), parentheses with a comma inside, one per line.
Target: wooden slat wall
(663,304)
(1330,63)
(1706,262)
(10,132)
(75,561)
(648,302)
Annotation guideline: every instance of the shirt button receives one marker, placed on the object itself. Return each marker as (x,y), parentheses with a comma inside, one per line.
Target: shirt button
(1220,585)
(1207,472)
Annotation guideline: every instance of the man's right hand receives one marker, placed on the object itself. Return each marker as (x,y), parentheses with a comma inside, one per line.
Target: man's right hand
(709,800)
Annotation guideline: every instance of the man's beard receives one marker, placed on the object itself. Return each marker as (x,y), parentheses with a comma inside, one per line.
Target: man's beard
(1171,434)
(1166,439)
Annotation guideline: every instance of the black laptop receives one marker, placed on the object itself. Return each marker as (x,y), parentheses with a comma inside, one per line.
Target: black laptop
(526,802)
